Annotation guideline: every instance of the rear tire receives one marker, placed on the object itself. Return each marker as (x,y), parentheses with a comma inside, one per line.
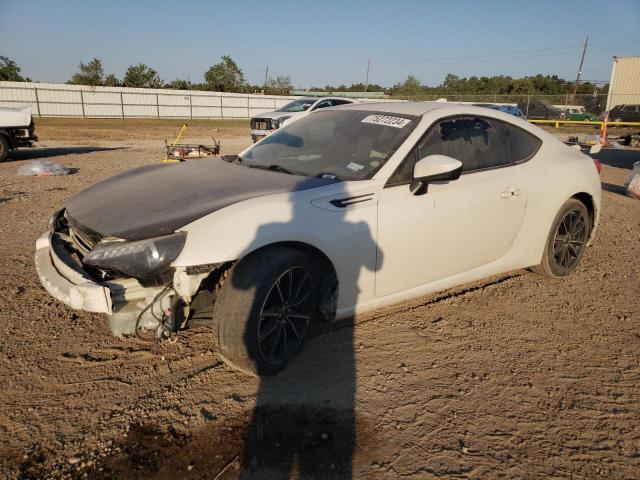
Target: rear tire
(567,240)
(4,148)
(264,310)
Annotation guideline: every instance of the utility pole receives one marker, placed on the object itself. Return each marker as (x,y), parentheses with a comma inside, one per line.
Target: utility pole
(366,81)
(266,74)
(575,86)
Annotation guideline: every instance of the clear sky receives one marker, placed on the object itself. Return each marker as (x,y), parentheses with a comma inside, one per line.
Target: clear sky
(321,42)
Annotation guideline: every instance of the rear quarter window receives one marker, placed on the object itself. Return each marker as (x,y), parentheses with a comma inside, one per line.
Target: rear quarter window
(522,144)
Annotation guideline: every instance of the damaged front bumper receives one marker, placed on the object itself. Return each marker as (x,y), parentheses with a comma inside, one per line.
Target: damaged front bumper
(130,306)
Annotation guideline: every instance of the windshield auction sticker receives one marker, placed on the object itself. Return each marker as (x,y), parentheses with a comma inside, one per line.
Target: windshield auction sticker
(386,121)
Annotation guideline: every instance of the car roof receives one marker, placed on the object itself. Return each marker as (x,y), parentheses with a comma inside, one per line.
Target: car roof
(407,108)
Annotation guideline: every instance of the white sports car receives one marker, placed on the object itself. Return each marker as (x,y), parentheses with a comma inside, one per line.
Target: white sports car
(343,211)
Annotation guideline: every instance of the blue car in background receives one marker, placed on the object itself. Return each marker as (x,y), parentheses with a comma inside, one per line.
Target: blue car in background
(510,109)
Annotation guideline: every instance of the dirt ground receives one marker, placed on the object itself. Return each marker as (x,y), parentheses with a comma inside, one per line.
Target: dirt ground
(516,376)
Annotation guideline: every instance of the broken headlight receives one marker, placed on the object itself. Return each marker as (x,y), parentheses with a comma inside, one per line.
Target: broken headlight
(140,259)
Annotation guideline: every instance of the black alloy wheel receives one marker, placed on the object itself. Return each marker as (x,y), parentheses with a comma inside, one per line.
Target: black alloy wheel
(569,240)
(285,316)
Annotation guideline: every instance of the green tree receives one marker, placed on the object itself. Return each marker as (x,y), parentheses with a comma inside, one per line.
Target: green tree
(10,71)
(141,76)
(90,74)
(280,85)
(225,76)
(411,86)
(112,81)
(179,85)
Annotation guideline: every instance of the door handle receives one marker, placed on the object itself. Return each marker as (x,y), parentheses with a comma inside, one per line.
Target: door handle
(510,193)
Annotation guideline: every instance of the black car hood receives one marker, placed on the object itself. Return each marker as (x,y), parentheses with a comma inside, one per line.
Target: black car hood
(159,199)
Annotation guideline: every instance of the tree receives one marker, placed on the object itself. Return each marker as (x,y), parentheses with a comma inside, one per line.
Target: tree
(411,86)
(90,74)
(225,76)
(279,85)
(141,76)
(179,85)
(10,71)
(111,81)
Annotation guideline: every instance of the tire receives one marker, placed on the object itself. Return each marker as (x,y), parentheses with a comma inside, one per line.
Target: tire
(4,148)
(563,252)
(253,317)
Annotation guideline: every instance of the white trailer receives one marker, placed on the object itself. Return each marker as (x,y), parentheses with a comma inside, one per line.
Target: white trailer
(624,88)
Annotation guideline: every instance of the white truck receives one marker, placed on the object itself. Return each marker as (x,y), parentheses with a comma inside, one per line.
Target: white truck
(16,130)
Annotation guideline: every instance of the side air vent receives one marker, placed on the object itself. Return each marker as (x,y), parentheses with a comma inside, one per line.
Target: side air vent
(345,202)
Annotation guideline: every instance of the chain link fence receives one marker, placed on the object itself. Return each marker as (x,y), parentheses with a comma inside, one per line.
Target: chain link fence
(563,106)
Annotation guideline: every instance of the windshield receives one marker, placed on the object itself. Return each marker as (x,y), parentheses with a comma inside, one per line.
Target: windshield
(297,106)
(340,144)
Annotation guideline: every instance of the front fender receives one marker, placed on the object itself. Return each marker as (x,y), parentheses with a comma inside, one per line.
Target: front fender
(345,235)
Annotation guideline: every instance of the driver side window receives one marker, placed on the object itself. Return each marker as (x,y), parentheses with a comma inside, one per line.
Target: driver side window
(479,143)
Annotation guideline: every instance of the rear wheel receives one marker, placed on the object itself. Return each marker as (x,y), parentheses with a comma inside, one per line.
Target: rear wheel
(264,310)
(4,148)
(566,241)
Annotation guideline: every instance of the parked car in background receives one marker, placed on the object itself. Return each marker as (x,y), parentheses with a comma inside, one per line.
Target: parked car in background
(16,130)
(540,111)
(579,114)
(344,211)
(625,113)
(266,123)
(510,109)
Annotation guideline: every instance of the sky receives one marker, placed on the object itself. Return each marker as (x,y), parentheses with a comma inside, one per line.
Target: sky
(320,43)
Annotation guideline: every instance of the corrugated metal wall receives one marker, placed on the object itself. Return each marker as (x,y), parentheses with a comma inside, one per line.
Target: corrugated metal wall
(625,82)
(61,100)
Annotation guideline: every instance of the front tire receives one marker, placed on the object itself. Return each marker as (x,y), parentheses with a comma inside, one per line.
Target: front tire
(264,310)
(567,240)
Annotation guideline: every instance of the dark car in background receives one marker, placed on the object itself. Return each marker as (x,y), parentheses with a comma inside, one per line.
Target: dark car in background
(540,111)
(625,113)
(510,109)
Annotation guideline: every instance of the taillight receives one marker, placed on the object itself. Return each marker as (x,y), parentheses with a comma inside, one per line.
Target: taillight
(597,164)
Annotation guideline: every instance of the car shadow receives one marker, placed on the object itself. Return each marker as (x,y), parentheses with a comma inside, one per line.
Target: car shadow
(46,152)
(618,157)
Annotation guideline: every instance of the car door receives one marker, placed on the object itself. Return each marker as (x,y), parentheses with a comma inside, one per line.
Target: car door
(457,225)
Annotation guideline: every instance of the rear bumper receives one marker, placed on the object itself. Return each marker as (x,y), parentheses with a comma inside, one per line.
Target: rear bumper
(124,300)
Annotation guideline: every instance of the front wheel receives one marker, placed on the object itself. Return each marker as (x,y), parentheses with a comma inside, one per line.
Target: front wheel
(264,310)
(566,241)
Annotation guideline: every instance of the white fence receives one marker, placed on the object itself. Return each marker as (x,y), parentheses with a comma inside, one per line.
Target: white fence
(61,100)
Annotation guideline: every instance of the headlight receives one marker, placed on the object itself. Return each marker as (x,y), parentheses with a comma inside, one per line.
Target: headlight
(139,259)
(277,122)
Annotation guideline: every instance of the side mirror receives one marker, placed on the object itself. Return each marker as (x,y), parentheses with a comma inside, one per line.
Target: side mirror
(434,168)
(595,149)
